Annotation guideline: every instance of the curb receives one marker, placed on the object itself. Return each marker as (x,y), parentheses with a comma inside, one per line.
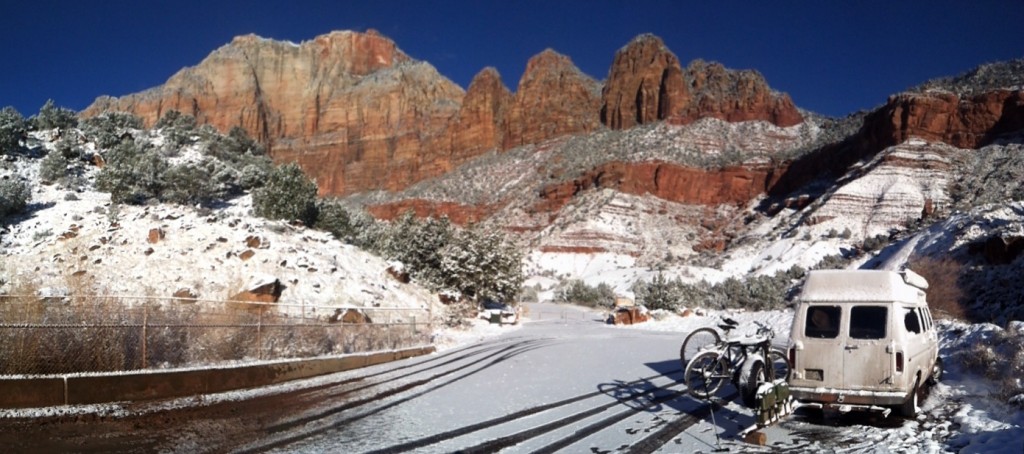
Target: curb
(33,392)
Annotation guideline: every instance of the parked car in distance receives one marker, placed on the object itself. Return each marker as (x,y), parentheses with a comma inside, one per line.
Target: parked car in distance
(863,340)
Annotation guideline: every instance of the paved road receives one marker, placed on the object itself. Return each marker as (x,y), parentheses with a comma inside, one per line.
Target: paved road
(562,382)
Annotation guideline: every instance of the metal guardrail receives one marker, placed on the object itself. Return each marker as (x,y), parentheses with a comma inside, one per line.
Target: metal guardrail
(107,333)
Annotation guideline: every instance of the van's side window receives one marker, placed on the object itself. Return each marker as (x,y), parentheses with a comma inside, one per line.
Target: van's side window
(868,322)
(923,314)
(822,322)
(912,322)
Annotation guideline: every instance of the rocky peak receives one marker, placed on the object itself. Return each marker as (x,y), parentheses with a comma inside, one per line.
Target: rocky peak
(645,84)
(481,121)
(988,77)
(359,53)
(554,98)
(735,95)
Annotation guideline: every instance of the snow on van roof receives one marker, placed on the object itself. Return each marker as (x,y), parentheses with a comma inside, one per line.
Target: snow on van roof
(863,286)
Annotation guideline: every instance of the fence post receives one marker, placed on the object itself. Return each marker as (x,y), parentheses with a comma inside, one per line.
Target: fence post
(391,342)
(259,333)
(145,323)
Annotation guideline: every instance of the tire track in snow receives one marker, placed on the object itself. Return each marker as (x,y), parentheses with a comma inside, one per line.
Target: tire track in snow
(299,427)
(579,434)
(438,438)
(671,430)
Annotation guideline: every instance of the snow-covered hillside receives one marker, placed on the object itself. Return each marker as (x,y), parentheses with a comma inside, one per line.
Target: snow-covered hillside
(76,240)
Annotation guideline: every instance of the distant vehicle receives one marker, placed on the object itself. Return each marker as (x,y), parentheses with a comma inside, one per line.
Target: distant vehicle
(498,312)
(863,340)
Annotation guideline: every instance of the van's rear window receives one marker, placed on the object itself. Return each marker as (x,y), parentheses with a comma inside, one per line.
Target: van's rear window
(868,322)
(822,322)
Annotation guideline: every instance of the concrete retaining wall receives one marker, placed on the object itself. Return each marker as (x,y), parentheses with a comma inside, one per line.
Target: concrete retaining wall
(148,385)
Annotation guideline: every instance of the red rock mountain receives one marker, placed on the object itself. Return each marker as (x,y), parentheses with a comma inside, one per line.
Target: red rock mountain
(359,114)
(646,84)
(968,120)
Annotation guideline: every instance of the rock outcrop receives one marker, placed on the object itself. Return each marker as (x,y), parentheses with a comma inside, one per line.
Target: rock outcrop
(457,213)
(734,96)
(481,123)
(646,83)
(964,121)
(553,99)
(969,120)
(735,185)
(357,113)
(351,108)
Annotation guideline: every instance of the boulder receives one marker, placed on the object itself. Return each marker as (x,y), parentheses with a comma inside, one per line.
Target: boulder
(155,235)
(628,316)
(260,289)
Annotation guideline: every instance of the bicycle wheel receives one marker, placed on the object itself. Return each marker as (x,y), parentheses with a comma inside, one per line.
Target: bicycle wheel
(697,341)
(780,364)
(705,374)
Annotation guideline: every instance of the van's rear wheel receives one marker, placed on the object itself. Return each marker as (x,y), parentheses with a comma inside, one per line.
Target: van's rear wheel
(909,407)
(936,372)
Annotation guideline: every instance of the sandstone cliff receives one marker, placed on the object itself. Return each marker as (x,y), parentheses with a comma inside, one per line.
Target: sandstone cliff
(553,99)
(358,114)
(646,83)
(968,120)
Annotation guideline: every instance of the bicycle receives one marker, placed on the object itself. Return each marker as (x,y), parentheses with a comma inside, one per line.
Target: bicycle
(702,339)
(742,360)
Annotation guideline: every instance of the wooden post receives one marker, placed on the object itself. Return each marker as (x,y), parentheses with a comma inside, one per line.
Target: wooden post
(145,322)
(259,334)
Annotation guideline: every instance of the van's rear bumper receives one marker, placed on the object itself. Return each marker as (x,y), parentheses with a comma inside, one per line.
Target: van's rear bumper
(847,396)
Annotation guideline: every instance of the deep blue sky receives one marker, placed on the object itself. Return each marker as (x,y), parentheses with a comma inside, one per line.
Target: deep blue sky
(833,57)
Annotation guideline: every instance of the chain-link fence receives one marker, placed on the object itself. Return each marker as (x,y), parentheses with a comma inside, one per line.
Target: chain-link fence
(105,333)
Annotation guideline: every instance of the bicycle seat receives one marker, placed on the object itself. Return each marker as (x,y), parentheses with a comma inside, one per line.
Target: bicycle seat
(728,324)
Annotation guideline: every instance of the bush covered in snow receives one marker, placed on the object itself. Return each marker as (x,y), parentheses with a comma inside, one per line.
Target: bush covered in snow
(13,127)
(660,293)
(750,293)
(110,128)
(288,194)
(996,176)
(578,292)
(994,353)
(14,196)
(137,171)
(51,116)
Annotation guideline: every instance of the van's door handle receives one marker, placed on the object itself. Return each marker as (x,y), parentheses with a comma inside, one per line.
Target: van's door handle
(852,347)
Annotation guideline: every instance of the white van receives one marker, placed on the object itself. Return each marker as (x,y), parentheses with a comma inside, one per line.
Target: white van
(863,339)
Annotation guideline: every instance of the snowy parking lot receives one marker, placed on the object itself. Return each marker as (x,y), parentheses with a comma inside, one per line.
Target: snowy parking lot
(560,381)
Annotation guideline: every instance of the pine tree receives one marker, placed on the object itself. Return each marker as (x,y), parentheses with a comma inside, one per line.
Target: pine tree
(13,127)
(51,116)
(289,194)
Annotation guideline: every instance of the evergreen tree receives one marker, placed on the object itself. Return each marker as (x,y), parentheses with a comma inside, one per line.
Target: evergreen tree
(14,196)
(289,194)
(482,265)
(51,116)
(13,127)
(659,293)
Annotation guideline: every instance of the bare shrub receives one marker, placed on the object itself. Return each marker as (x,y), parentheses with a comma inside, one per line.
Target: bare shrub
(945,296)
